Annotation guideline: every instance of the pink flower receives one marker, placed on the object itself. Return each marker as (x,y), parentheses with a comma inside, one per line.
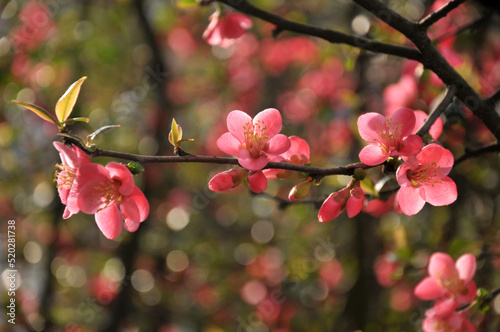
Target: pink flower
(436,128)
(109,193)
(350,198)
(389,137)
(224,29)
(455,322)
(72,159)
(253,140)
(298,154)
(423,178)
(229,179)
(450,284)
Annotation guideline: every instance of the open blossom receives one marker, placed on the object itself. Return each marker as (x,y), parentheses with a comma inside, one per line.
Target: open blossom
(110,193)
(72,159)
(350,198)
(423,178)
(253,140)
(450,284)
(225,28)
(389,137)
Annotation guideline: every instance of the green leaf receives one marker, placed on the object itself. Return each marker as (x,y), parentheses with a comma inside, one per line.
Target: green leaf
(92,136)
(175,134)
(187,4)
(65,104)
(38,111)
(71,121)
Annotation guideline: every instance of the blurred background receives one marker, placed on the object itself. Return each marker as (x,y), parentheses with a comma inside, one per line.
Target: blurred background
(233,261)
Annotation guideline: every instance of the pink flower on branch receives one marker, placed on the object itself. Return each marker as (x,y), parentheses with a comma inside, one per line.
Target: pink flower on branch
(229,179)
(298,154)
(389,137)
(456,321)
(423,178)
(351,198)
(110,193)
(253,140)
(224,29)
(450,284)
(72,159)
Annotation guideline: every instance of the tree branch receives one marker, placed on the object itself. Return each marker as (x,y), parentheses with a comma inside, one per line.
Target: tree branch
(474,153)
(434,61)
(433,17)
(448,98)
(495,98)
(329,35)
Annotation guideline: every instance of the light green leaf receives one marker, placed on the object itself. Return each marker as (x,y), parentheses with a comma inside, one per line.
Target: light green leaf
(175,134)
(38,111)
(187,4)
(92,136)
(65,104)
(71,121)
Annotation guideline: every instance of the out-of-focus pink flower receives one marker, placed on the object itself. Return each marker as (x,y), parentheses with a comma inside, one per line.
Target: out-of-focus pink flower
(423,178)
(400,94)
(224,29)
(276,55)
(378,207)
(72,159)
(110,193)
(389,137)
(436,128)
(386,268)
(450,284)
(455,322)
(350,198)
(37,25)
(253,140)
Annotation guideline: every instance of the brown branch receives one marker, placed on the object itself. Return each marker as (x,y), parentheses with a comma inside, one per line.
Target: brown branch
(434,61)
(448,98)
(311,170)
(433,17)
(495,98)
(329,35)
(474,153)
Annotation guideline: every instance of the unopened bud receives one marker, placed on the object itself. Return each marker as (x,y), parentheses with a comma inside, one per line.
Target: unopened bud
(299,191)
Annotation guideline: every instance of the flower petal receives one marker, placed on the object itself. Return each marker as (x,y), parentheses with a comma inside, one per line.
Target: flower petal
(369,124)
(227,143)
(277,144)
(236,120)
(410,201)
(428,289)
(441,193)
(253,164)
(270,118)
(372,155)
(466,267)
(412,145)
(257,182)
(404,119)
(109,221)
(441,266)
(140,201)
(332,207)
(121,173)
(354,206)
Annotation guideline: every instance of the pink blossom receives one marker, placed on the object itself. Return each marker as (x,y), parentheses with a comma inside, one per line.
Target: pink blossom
(350,198)
(389,137)
(298,154)
(455,322)
(110,193)
(72,159)
(253,140)
(229,179)
(423,178)
(450,284)
(436,128)
(224,29)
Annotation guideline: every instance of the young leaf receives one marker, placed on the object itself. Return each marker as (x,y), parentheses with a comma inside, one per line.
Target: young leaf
(175,134)
(92,136)
(38,111)
(185,4)
(65,104)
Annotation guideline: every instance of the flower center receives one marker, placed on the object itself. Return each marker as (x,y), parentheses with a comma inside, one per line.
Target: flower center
(390,136)
(255,137)
(428,175)
(107,192)
(64,176)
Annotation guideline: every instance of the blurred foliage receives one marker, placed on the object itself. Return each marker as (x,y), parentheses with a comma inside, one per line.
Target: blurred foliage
(207,261)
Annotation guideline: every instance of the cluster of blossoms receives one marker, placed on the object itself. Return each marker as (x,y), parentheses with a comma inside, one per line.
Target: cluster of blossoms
(421,173)
(107,191)
(450,285)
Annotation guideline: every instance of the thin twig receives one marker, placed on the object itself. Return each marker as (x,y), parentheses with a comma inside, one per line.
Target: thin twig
(448,98)
(477,152)
(433,17)
(326,34)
